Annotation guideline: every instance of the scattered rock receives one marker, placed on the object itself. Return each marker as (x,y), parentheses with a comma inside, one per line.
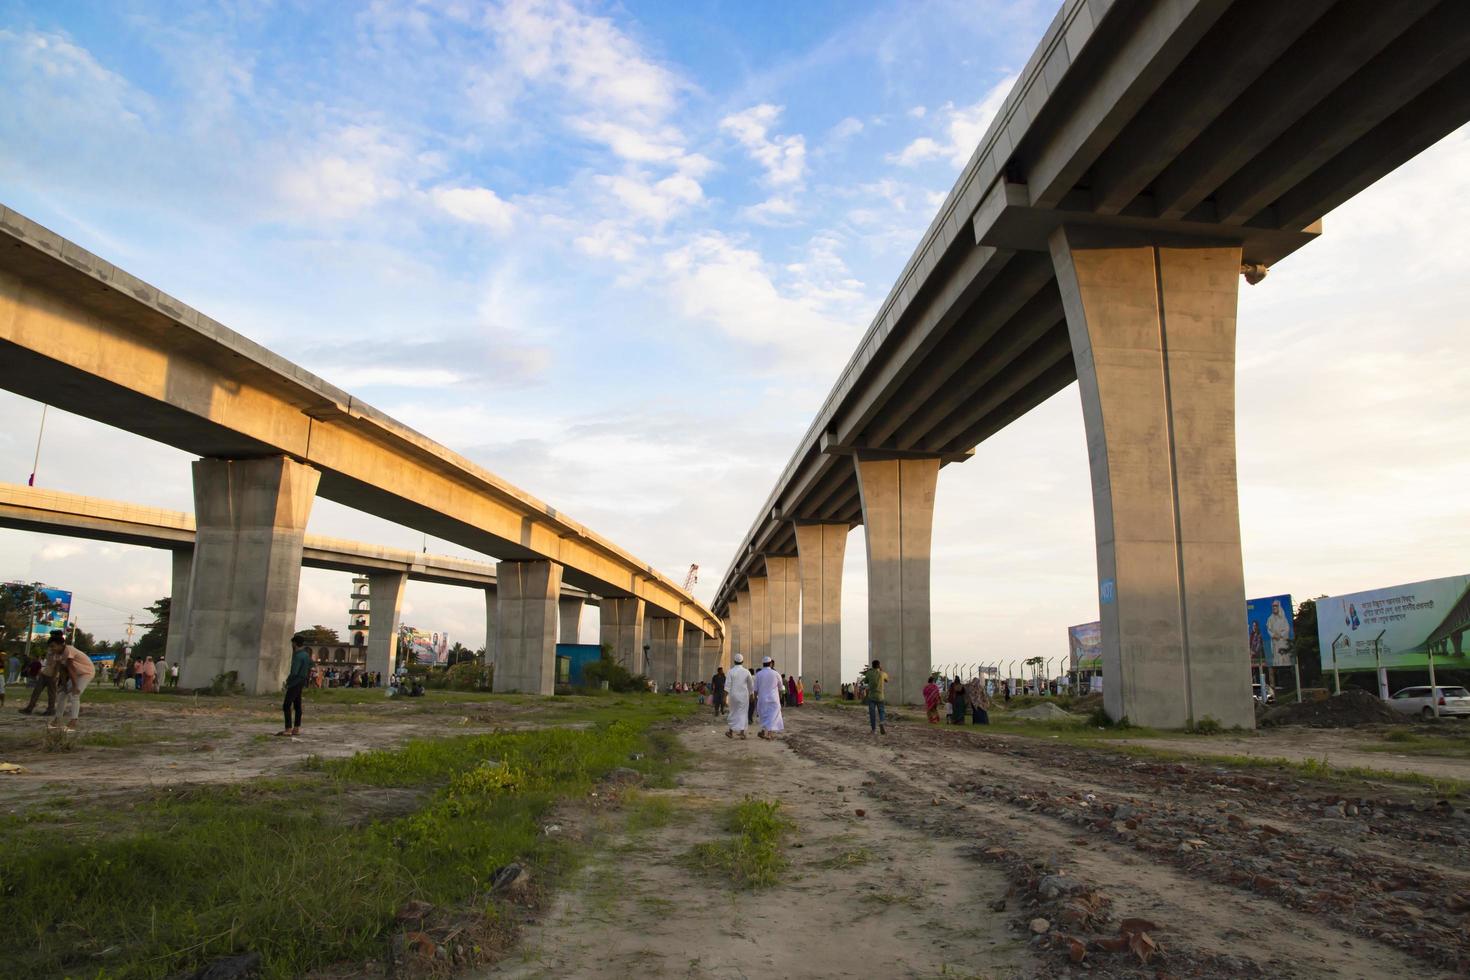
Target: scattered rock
(999,905)
(1040,926)
(1046,711)
(512,881)
(861,813)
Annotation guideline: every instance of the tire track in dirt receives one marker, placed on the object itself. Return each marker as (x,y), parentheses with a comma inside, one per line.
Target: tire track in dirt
(1221,920)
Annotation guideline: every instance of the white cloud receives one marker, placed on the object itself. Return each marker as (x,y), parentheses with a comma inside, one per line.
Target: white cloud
(918,112)
(712,279)
(847,128)
(351,171)
(475,205)
(608,240)
(784,157)
(587,56)
(963,128)
(653,200)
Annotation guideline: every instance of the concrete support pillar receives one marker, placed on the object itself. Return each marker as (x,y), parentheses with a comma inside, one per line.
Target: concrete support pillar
(571,618)
(622,630)
(250,519)
(666,650)
(714,652)
(760,619)
(783,611)
(526,626)
(898,515)
(1153,334)
(821,548)
(385,602)
(492,617)
(177,643)
(740,623)
(691,665)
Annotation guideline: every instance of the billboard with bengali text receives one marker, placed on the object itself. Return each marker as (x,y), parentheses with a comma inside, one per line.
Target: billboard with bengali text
(1085,644)
(1397,627)
(1269,630)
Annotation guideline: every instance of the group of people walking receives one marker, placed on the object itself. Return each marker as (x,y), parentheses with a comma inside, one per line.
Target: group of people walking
(747,698)
(960,696)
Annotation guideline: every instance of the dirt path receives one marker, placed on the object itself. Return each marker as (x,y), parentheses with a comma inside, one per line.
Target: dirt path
(1235,874)
(864,896)
(1339,748)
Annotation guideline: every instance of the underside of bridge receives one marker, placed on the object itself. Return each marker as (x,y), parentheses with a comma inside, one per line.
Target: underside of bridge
(1149,154)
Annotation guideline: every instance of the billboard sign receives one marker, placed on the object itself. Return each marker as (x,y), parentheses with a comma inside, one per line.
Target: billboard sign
(1085,644)
(426,649)
(1397,627)
(53,609)
(1270,631)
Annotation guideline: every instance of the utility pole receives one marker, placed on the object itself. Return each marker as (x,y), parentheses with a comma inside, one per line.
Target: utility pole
(128,643)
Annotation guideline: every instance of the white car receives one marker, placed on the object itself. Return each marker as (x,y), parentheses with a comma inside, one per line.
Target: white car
(1453,701)
(1263,693)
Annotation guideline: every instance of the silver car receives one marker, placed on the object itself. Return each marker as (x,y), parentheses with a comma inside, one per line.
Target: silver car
(1453,701)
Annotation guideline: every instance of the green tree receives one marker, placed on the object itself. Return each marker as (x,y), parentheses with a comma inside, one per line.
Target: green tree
(459,653)
(1304,645)
(155,634)
(84,641)
(15,614)
(321,636)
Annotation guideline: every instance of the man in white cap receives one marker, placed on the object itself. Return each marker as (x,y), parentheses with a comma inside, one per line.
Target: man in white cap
(740,687)
(768,689)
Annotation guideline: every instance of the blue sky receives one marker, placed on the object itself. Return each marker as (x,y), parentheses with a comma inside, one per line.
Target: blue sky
(618,254)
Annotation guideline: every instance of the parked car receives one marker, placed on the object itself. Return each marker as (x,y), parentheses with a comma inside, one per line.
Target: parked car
(1263,693)
(1453,701)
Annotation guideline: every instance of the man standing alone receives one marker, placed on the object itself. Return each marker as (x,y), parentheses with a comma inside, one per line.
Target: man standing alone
(875,679)
(295,681)
(717,690)
(740,689)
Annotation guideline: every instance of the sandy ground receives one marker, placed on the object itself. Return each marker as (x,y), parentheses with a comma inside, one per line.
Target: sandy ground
(159,741)
(1338,747)
(1235,875)
(864,896)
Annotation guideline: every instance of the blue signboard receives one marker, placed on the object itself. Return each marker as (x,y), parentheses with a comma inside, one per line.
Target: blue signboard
(1269,630)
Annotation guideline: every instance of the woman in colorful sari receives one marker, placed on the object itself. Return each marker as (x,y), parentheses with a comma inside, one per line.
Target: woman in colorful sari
(150,675)
(932,700)
(957,701)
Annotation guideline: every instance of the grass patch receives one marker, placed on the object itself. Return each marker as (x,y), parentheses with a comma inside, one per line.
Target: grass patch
(273,866)
(1414,743)
(752,857)
(646,812)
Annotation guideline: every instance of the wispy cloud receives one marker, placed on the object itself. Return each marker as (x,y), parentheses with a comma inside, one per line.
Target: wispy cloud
(962,127)
(783,157)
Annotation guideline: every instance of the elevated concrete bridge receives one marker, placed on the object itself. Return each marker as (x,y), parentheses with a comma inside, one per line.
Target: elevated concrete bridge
(84,336)
(388,570)
(1150,153)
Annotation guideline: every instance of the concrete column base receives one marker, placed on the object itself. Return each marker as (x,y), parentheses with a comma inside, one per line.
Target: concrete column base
(821,549)
(760,618)
(177,644)
(666,650)
(526,626)
(385,603)
(570,609)
(250,519)
(492,631)
(691,662)
(622,630)
(1153,334)
(740,624)
(898,515)
(783,611)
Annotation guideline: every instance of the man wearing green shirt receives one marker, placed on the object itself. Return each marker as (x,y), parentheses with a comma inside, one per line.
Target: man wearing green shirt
(875,678)
(295,682)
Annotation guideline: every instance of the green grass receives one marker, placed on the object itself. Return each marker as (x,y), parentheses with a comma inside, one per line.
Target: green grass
(300,869)
(752,857)
(1412,743)
(854,857)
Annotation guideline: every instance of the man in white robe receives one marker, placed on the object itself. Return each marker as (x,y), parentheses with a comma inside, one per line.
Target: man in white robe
(740,688)
(768,688)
